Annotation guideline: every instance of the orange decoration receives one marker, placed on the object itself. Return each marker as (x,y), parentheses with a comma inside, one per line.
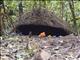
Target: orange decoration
(42,34)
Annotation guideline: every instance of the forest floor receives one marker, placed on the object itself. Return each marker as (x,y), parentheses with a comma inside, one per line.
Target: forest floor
(35,48)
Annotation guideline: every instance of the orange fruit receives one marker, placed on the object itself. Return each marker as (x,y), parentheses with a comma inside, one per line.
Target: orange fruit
(42,34)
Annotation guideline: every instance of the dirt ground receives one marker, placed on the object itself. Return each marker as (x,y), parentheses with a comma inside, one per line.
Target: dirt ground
(35,48)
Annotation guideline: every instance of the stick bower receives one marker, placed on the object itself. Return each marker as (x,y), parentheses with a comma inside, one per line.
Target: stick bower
(42,20)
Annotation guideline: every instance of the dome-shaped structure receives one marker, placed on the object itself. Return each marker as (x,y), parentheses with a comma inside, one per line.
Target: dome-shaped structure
(41,20)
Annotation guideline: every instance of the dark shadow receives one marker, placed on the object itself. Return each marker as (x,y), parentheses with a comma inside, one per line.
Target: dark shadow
(36,29)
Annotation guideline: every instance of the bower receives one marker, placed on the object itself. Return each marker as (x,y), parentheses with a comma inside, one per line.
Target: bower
(42,20)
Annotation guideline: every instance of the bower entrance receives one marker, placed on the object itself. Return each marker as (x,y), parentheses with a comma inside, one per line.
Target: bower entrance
(37,29)
(41,20)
